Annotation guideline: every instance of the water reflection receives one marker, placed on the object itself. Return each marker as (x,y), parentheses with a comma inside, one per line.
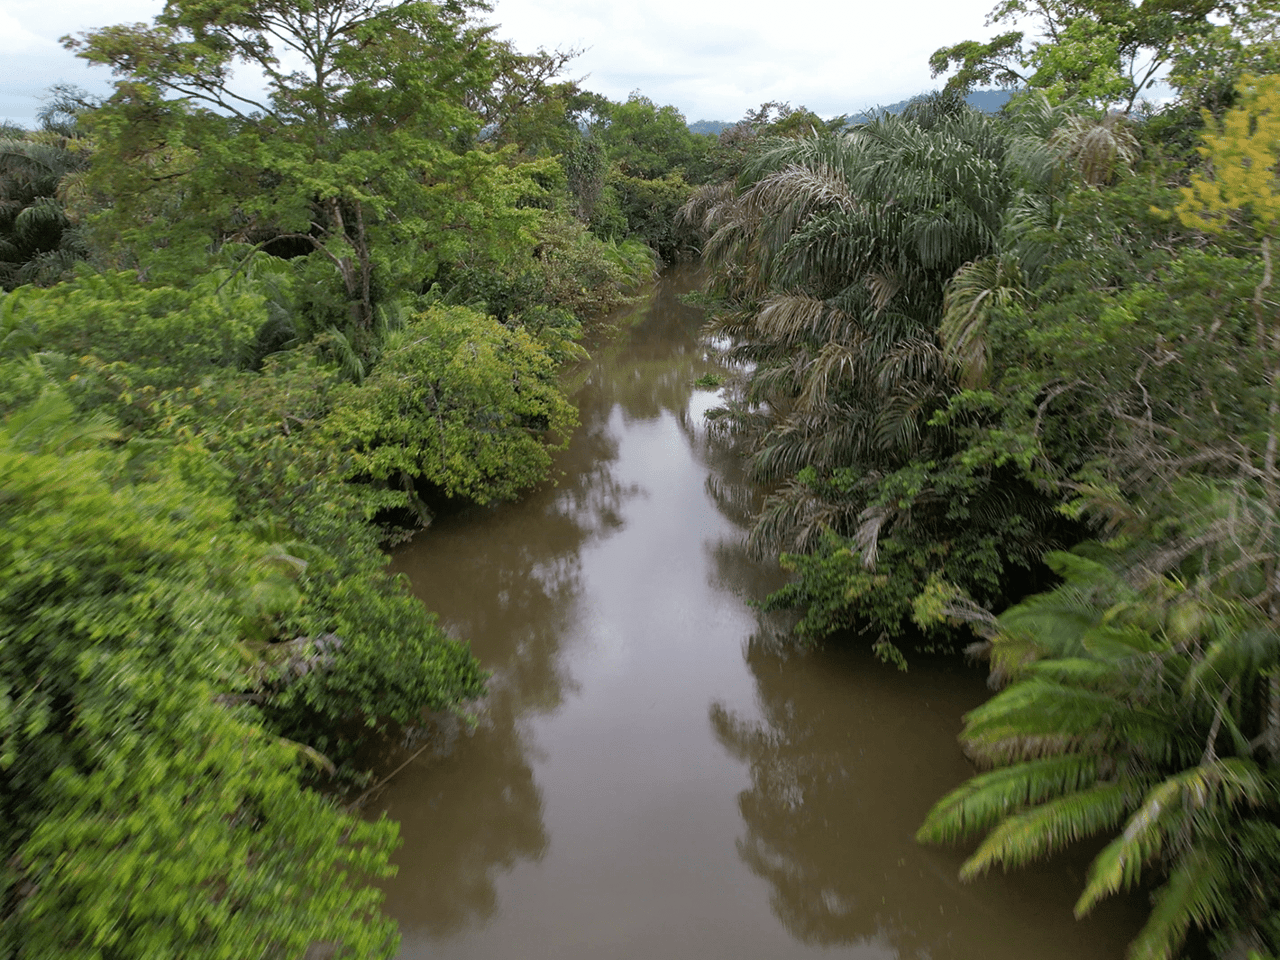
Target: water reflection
(844,764)
(510,580)
(594,811)
(845,756)
(650,369)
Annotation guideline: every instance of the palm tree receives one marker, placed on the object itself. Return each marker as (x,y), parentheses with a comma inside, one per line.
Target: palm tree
(860,273)
(834,254)
(38,241)
(1143,713)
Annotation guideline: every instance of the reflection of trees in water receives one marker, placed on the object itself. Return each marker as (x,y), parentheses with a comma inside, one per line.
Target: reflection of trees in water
(650,369)
(737,499)
(835,797)
(472,816)
(736,496)
(732,569)
(844,763)
(508,578)
(474,812)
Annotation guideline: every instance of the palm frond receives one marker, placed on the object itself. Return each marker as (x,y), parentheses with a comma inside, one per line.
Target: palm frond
(883,285)
(972,293)
(899,426)
(709,207)
(982,801)
(349,360)
(1237,648)
(790,317)
(1162,815)
(871,522)
(1048,827)
(1039,716)
(1198,891)
(839,368)
(51,425)
(794,520)
(916,361)
(1097,148)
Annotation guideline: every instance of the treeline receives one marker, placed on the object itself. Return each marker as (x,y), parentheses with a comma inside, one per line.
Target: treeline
(1020,375)
(249,339)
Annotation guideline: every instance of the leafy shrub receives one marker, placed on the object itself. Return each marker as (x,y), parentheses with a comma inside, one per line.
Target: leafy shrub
(458,400)
(143,813)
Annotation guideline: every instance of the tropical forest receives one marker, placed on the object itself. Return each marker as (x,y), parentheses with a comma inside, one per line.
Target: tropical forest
(448,512)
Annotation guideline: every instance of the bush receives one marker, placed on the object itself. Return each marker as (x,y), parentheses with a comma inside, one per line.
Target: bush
(459,401)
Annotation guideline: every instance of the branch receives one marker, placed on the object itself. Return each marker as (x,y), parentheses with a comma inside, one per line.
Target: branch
(1053,394)
(1210,747)
(1159,563)
(249,256)
(355,804)
(217,100)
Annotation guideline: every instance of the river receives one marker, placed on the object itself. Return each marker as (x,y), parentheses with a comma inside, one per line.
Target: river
(655,773)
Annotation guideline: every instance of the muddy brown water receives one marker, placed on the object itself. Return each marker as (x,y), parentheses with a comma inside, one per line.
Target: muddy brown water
(655,773)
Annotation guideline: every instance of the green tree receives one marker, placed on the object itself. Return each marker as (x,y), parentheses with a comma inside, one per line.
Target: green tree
(1133,712)
(836,259)
(366,159)
(172,365)
(651,208)
(1143,697)
(38,241)
(649,141)
(1102,51)
(147,811)
(459,401)
(731,148)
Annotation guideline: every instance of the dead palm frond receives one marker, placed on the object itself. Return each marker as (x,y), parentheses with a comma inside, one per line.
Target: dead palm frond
(794,519)
(798,317)
(883,286)
(1097,148)
(708,208)
(871,522)
(839,369)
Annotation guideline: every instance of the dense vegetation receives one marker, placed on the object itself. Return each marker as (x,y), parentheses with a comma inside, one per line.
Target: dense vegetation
(1019,373)
(247,341)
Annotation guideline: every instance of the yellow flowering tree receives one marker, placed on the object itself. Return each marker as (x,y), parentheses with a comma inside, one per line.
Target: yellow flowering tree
(1238,187)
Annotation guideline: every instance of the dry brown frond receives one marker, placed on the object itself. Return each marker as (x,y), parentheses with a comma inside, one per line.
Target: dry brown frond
(1097,148)
(884,286)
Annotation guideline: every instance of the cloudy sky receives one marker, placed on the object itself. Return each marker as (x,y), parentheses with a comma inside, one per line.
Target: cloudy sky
(712,59)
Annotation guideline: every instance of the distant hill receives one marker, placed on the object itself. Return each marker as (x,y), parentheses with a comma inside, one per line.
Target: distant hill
(708,126)
(988,101)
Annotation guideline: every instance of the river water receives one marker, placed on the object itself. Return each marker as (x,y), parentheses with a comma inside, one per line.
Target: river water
(655,774)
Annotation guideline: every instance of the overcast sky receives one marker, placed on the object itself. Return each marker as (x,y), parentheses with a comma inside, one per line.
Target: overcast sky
(712,59)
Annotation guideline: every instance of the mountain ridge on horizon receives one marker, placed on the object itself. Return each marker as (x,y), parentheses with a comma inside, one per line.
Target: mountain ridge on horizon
(988,101)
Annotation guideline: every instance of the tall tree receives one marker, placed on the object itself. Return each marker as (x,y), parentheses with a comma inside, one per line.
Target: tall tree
(649,141)
(1144,693)
(361,151)
(38,241)
(835,260)
(1101,51)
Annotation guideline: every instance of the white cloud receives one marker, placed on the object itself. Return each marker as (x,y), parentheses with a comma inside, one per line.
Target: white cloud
(712,59)
(716,59)
(15,38)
